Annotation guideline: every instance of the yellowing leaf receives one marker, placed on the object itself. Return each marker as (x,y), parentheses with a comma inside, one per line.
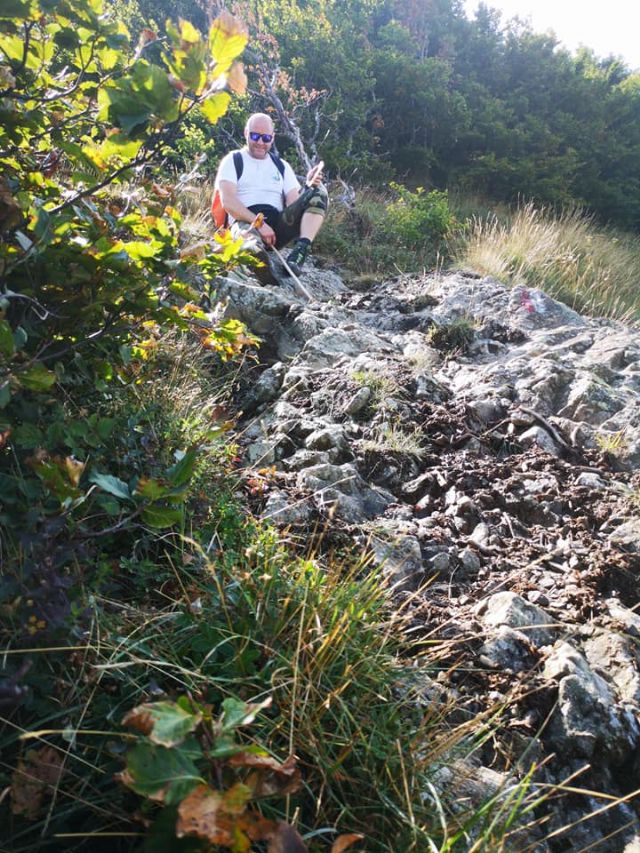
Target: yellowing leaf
(214,107)
(227,40)
(74,469)
(166,723)
(268,776)
(188,33)
(221,818)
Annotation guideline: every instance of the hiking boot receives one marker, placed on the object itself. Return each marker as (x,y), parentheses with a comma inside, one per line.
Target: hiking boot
(266,273)
(297,257)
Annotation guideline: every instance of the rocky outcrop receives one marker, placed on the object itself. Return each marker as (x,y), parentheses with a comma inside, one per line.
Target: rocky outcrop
(481,445)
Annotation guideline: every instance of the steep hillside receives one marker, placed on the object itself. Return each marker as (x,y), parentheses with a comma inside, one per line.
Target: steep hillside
(481,445)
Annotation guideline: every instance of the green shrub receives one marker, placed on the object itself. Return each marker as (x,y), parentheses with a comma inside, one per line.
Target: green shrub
(407,232)
(419,220)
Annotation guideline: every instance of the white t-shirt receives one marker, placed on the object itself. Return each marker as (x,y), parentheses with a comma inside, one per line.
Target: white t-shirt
(260,182)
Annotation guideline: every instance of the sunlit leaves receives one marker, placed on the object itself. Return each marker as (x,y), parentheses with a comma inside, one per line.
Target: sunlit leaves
(227,40)
(86,258)
(214,107)
(37,377)
(132,101)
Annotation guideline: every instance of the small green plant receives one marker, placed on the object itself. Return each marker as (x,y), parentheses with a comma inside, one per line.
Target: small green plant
(389,231)
(611,442)
(189,762)
(453,337)
(396,439)
(381,385)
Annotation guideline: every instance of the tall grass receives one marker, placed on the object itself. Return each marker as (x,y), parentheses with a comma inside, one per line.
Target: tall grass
(594,270)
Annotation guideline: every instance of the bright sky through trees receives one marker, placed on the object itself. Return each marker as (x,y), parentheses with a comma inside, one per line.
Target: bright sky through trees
(610,28)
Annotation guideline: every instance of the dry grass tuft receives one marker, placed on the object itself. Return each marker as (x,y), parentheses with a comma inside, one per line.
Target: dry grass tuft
(596,271)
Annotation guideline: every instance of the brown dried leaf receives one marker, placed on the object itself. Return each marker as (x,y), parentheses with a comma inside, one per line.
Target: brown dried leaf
(32,780)
(229,24)
(222,818)
(286,839)
(269,777)
(139,719)
(342,842)
(200,814)
(237,80)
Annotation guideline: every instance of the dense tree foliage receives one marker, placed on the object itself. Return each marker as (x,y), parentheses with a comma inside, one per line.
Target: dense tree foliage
(491,106)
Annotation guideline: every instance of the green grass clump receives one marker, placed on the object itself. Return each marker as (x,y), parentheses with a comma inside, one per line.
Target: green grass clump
(594,270)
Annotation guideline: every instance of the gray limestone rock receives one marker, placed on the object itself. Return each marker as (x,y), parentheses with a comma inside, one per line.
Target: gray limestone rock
(587,722)
(469,560)
(627,534)
(538,436)
(341,490)
(592,401)
(628,620)
(260,453)
(508,608)
(507,650)
(279,510)
(401,561)
(326,438)
(488,410)
(266,388)
(359,401)
(592,480)
(616,659)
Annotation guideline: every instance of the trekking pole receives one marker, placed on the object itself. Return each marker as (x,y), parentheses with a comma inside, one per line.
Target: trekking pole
(257,224)
(295,278)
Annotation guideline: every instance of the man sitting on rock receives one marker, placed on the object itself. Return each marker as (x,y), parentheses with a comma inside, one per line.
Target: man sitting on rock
(254,180)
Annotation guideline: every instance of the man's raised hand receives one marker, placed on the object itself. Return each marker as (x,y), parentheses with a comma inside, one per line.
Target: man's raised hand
(314,175)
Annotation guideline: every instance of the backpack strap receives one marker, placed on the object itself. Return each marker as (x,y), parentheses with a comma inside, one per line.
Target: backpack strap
(238,162)
(279,164)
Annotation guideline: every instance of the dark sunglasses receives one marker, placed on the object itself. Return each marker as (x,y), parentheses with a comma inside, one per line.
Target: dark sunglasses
(265,137)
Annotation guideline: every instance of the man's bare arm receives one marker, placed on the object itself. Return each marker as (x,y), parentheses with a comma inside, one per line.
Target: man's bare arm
(233,206)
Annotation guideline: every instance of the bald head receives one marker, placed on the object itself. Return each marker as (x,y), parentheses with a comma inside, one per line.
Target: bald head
(261,119)
(259,134)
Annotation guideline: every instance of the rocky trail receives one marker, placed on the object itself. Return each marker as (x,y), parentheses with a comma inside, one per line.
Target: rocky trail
(481,444)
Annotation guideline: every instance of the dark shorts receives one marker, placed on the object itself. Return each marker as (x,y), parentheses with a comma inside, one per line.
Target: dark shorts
(286,223)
